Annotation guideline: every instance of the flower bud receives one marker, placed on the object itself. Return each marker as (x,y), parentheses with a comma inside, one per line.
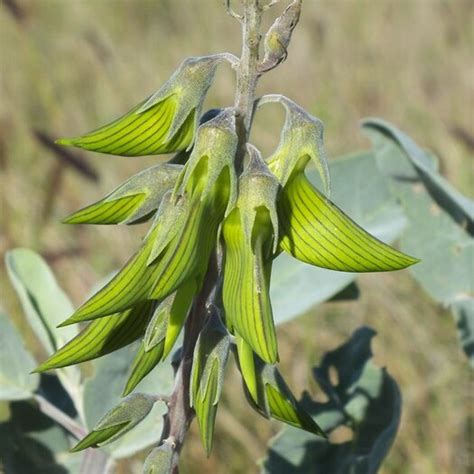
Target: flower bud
(159,461)
(268,392)
(209,361)
(118,421)
(278,37)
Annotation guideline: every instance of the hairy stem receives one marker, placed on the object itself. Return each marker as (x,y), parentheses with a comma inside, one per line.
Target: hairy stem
(247,75)
(180,414)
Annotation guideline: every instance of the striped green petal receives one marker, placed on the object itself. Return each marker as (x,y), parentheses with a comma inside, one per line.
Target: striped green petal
(205,405)
(118,421)
(168,318)
(129,286)
(163,123)
(268,392)
(316,231)
(283,406)
(143,363)
(249,233)
(133,201)
(187,254)
(246,289)
(139,133)
(207,376)
(102,336)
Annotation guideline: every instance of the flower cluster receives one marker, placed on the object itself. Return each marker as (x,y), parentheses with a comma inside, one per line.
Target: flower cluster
(198,203)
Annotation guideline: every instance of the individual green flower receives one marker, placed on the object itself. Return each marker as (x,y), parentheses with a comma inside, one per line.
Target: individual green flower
(118,421)
(207,376)
(134,201)
(312,228)
(268,392)
(251,235)
(163,123)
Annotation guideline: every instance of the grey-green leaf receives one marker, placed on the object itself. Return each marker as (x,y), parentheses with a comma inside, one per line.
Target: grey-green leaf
(16,363)
(463,313)
(45,304)
(439,229)
(30,442)
(449,198)
(366,399)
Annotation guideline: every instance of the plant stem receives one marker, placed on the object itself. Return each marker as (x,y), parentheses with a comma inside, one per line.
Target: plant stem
(180,414)
(60,417)
(247,75)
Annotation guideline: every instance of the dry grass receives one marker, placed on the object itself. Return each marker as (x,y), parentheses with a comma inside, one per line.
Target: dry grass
(68,66)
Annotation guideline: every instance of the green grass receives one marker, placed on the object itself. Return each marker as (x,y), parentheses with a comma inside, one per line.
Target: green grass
(70,66)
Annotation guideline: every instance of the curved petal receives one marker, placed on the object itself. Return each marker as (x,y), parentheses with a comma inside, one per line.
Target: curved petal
(133,201)
(143,363)
(102,336)
(139,133)
(315,231)
(246,288)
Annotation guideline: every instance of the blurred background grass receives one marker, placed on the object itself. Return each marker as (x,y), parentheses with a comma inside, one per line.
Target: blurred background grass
(68,66)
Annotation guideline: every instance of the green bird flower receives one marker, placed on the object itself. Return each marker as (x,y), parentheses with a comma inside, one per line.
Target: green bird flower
(163,123)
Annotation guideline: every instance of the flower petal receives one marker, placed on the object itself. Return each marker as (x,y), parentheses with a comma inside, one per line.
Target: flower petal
(118,421)
(102,336)
(316,231)
(246,288)
(207,376)
(143,363)
(133,201)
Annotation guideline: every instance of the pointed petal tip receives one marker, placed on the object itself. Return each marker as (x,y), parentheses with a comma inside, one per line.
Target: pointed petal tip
(69,219)
(407,262)
(67,322)
(65,141)
(127,391)
(80,447)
